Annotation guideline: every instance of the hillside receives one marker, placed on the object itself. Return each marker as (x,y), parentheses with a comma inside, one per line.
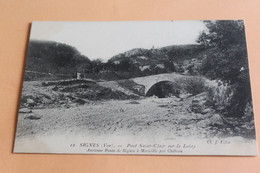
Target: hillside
(51,61)
(143,62)
(45,58)
(177,53)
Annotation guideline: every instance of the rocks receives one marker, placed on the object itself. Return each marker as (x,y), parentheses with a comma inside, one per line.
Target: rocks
(205,111)
(196,106)
(216,119)
(69,92)
(213,120)
(182,127)
(228,130)
(191,126)
(201,97)
(189,110)
(31,102)
(204,123)
(173,103)
(33,117)
(134,102)
(248,126)
(25,110)
(80,101)
(252,123)
(68,82)
(203,116)
(237,129)
(184,95)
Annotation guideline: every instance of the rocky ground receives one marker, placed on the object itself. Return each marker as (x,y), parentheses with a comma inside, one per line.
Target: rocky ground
(50,109)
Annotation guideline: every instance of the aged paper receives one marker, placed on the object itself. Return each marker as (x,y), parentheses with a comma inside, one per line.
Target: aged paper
(150,88)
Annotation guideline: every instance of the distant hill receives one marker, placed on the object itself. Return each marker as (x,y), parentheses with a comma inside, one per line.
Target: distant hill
(48,60)
(176,53)
(141,62)
(53,58)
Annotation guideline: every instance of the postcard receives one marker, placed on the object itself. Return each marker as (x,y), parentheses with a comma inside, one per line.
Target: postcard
(137,87)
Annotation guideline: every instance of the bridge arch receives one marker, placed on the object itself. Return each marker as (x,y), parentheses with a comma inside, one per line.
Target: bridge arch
(149,81)
(162,89)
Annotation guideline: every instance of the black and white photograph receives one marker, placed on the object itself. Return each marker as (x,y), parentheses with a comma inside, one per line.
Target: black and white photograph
(137,87)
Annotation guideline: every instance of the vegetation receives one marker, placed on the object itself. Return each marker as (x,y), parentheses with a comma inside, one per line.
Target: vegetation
(192,85)
(47,58)
(220,55)
(52,60)
(143,62)
(226,60)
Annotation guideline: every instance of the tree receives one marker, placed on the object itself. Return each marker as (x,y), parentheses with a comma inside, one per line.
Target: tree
(97,65)
(53,57)
(223,34)
(227,60)
(169,64)
(125,64)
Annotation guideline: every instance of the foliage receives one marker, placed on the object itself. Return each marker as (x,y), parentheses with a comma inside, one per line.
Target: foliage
(97,66)
(223,34)
(219,95)
(54,58)
(227,60)
(192,84)
(161,60)
(249,112)
(58,59)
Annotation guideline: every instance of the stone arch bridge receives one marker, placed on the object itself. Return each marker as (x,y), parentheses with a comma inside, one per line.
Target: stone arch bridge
(145,83)
(149,81)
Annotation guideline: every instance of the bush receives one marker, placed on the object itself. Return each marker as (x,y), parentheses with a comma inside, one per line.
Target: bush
(228,100)
(227,60)
(219,95)
(192,84)
(249,112)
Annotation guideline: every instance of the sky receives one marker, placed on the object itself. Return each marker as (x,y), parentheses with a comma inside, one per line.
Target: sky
(106,39)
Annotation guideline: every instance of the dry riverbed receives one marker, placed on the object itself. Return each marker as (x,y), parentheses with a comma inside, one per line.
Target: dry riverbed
(167,116)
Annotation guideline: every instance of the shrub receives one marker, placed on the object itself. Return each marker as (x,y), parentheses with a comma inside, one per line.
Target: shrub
(249,112)
(192,84)
(219,94)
